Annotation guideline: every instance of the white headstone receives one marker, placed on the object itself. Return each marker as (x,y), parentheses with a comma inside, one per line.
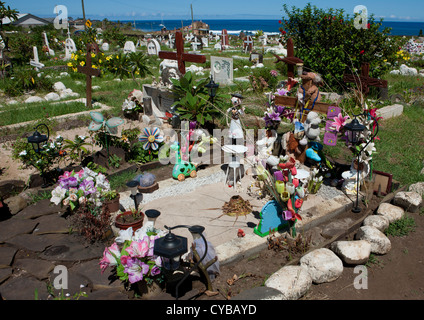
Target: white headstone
(69,48)
(36,63)
(205,42)
(196,44)
(129,47)
(153,47)
(217,46)
(105,46)
(46,43)
(222,69)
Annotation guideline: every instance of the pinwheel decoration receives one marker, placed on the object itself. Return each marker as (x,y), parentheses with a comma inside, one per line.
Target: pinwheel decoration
(151,138)
(98,122)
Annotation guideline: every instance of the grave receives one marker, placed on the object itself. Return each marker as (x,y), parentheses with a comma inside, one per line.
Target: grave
(35,62)
(205,42)
(222,70)
(248,44)
(105,46)
(70,48)
(196,44)
(46,43)
(129,47)
(89,71)
(290,60)
(257,57)
(153,47)
(225,42)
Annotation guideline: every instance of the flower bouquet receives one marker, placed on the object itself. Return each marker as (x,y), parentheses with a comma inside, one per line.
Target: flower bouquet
(82,187)
(131,256)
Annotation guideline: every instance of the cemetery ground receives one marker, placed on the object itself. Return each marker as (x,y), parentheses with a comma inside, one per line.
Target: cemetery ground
(401,154)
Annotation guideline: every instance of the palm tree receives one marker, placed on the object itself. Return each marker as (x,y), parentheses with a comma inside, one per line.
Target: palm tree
(11,14)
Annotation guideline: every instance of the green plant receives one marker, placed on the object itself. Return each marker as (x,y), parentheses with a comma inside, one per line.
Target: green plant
(6,12)
(23,79)
(133,64)
(401,227)
(110,194)
(114,160)
(77,147)
(328,43)
(96,167)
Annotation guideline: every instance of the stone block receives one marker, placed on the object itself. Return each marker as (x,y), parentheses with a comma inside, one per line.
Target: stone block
(390,111)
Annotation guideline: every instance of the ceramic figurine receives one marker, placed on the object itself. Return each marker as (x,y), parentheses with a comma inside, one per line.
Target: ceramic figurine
(236,131)
(296,143)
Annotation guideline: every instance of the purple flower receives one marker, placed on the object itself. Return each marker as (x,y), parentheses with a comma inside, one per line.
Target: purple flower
(155,271)
(274,73)
(274,116)
(68,182)
(192,125)
(136,270)
(282,92)
(280,109)
(87,186)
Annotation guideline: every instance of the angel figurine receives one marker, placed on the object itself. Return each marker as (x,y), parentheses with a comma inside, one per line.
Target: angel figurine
(236,131)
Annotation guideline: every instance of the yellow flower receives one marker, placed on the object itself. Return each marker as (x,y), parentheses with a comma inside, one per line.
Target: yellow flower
(32,79)
(76,57)
(100,60)
(117,57)
(69,64)
(72,56)
(93,55)
(94,66)
(82,63)
(74,69)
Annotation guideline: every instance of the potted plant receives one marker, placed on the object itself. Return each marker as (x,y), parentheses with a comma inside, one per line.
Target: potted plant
(111,200)
(131,218)
(131,257)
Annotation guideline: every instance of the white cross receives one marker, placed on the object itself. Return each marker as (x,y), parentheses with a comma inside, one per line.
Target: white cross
(248,42)
(36,63)
(195,44)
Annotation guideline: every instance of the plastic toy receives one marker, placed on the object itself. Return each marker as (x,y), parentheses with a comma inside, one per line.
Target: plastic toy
(182,169)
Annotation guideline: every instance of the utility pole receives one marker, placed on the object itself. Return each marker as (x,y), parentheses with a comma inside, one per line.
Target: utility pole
(83,13)
(192,26)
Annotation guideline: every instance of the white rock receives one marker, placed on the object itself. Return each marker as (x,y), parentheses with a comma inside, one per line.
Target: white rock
(417,187)
(292,281)
(95,87)
(34,99)
(377,221)
(12,102)
(380,244)
(64,74)
(323,265)
(390,211)
(193,68)
(352,252)
(395,72)
(52,96)
(59,86)
(408,200)
(407,71)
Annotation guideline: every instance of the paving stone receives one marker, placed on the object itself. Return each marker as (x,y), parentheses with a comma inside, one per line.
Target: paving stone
(23,288)
(33,242)
(13,227)
(41,208)
(91,270)
(260,293)
(5,273)
(11,186)
(51,224)
(6,256)
(410,201)
(71,281)
(108,294)
(35,267)
(15,204)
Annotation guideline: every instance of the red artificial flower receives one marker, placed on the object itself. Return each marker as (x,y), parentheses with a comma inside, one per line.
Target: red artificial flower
(240,233)
(369,25)
(279,21)
(362,52)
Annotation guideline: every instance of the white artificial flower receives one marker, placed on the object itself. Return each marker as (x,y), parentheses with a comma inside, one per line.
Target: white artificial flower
(57,195)
(59,137)
(125,235)
(73,197)
(82,137)
(65,202)
(52,145)
(23,153)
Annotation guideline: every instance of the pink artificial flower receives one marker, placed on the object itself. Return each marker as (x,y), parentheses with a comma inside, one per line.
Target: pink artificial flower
(339,122)
(110,256)
(138,249)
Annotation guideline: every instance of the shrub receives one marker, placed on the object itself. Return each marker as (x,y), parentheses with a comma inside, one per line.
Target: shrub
(24,79)
(328,43)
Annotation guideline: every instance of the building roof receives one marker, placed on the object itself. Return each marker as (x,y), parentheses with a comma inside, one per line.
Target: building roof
(26,19)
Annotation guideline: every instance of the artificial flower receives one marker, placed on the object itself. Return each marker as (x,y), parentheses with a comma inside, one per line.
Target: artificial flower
(138,249)
(339,122)
(110,256)
(58,194)
(124,235)
(136,269)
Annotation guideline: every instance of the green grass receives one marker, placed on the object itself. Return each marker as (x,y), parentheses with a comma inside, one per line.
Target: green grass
(401,227)
(37,111)
(118,182)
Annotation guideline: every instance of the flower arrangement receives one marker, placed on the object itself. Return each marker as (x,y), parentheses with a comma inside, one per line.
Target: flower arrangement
(82,187)
(131,255)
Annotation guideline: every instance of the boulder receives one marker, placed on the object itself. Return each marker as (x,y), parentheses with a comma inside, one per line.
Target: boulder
(409,200)
(292,281)
(377,221)
(380,244)
(34,99)
(59,86)
(323,265)
(15,204)
(407,71)
(352,252)
(417,187)
(52,96)
(390,211)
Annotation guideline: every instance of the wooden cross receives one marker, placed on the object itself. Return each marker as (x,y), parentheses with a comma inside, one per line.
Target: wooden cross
(89,71)
(364,81)
(291,102)
(180,56)
(290,60)
(248,44)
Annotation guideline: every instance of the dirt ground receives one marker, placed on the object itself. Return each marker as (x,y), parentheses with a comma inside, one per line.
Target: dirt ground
(394,276)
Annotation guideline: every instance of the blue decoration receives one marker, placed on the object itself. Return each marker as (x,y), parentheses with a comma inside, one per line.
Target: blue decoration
(271,219)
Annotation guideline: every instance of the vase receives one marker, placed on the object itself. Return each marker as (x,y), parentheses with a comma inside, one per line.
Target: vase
(125,225)
(290,187)
(300,192)
(285,196)
(279,186)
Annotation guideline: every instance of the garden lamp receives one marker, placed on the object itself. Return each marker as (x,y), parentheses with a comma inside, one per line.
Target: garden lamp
(38,139)
(354,129)
(212,87)
(299,69)
(135,195)
(151,215)
(171,247)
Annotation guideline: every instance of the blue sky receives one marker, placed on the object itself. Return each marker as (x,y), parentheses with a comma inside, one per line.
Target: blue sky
(390,10)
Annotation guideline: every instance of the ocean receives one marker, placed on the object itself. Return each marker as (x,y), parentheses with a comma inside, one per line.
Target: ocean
(269,27)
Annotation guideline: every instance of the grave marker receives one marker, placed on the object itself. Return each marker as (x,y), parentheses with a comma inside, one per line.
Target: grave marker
(205,42)
(70,48)
(153,47)
(46,43)
(180,56)
(89,71)
(290,60)
(36,63)
(196,44)
(225,42)
(248,44)
(364,81)
(129,47)
(222,69)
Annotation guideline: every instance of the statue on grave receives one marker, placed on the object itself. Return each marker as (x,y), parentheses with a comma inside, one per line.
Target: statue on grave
(236,131)
(308,92)
(295,143)
(167,74)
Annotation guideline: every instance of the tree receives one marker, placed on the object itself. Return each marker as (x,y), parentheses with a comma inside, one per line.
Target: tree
(11,14)
(328,43)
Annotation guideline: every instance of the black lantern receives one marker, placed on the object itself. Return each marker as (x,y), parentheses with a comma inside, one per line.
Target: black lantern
(212,87)
(171,247)
(354,129)
(37,139)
